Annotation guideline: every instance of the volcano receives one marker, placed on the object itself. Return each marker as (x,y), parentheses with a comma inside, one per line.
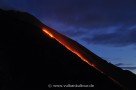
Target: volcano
(33,55)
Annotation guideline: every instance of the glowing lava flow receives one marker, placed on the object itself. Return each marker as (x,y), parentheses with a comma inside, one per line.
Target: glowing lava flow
(47,32)
(74,48)
(68,46)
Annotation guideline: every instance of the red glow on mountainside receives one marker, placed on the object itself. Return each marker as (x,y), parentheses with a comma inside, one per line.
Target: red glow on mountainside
(68,46)
(48,33)
(75,49)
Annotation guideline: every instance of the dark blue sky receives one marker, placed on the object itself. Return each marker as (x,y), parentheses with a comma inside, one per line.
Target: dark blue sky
(106,27)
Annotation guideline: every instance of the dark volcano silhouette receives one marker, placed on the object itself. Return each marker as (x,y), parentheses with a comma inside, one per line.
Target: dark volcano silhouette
(30,58)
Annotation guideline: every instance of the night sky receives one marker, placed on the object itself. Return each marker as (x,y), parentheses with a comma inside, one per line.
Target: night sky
(106,27)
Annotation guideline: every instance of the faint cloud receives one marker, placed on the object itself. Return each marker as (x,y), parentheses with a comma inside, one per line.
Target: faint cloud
(120,38)
(119,64)
(129,68)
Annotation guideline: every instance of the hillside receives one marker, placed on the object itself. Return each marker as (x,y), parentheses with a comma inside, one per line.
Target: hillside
(30,58)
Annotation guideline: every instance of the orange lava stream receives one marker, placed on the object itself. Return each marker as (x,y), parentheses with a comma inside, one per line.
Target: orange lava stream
(75,50)
(47,32)
(68,46)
